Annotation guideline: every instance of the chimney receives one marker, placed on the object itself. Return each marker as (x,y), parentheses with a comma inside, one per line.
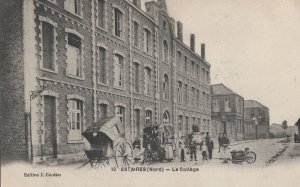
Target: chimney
(203,51)
(137,3)
(192,42)
(179,31)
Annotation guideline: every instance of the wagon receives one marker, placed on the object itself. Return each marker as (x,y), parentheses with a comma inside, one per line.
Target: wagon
(107,140)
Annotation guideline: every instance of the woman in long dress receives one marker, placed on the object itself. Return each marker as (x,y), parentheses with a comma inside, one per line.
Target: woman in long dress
(169,149)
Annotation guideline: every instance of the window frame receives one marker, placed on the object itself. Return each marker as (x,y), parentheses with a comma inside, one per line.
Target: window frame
(147,48)
(149,93)
(105,49)
(166,87)
(68,74)
(122,71)
(122,19)
(104,15)
(41,52)
(70,114)
(66,7)
(165,50)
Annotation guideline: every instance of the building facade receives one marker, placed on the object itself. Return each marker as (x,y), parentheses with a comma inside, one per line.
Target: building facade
(81,60)
(227,112)
(257,120)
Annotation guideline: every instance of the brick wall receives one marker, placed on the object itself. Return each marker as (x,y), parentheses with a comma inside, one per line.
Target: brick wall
(12,82)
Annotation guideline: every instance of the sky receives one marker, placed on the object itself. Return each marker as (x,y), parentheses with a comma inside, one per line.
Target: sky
(253,47)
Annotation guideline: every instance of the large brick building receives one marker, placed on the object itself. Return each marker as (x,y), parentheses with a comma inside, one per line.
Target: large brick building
(77,61)
(227,112)
(257,120)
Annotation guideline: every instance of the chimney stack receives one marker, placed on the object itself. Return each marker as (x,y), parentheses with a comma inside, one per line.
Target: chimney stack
(179,31)
(192,42)
(137,3)
(203,51)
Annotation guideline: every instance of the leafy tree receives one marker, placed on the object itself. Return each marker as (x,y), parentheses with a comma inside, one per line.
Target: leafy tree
(298,125)
(284,125)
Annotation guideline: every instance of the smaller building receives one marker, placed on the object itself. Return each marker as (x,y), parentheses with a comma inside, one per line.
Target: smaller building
(257,120)
(227,112)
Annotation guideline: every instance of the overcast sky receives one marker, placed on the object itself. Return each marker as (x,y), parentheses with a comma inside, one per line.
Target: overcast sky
(253,47)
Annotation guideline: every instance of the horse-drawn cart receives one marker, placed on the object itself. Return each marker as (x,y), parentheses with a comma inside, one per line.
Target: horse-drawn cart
(107,140)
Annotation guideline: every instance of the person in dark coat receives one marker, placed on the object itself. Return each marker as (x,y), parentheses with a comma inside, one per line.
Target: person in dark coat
(219,140)
(193,148)
(210,147)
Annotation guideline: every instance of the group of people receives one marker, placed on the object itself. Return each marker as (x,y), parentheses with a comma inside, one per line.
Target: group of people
(203,144)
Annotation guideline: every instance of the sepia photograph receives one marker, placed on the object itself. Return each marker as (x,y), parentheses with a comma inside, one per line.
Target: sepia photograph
(150,93)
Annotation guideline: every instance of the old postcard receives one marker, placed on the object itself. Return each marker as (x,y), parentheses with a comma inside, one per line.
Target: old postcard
(150,93)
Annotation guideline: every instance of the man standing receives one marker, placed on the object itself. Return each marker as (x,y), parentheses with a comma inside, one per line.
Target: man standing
(210,147)
(219,140)
(193,150)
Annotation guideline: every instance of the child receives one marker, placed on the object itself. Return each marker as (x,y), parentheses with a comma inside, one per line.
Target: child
(204,150)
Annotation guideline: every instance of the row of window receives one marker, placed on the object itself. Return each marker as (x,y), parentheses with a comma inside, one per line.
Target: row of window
(185,127)
(75,60)
(195,99)
(196,71)
(227,105)
(76,116)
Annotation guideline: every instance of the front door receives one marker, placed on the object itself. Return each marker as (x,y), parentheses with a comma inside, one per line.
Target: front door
(50,148)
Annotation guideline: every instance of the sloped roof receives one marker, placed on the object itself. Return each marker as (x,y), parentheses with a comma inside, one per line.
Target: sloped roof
(253,104)
(221,89)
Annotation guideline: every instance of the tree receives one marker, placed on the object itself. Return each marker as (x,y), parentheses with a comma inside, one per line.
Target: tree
(298,125)
(284,125)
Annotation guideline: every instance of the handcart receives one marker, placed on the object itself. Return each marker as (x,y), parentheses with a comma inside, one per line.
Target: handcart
(242,156)
(107,140)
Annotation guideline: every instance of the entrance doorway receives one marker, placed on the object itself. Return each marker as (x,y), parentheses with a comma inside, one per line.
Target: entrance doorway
(224,127)
(50,148)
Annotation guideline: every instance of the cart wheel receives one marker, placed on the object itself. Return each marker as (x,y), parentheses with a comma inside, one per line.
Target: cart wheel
(250,157)
(123,154)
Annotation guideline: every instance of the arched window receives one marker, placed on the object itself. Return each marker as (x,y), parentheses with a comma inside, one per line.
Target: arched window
(166,118)
(166,87)
(165,52)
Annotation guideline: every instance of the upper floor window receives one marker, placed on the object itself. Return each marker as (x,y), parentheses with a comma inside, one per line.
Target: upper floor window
(178,60)
(118,71)
(179,92)
(197,71)
(165,25)
(147,81)
(193,70)
(74,55)
(186,97)
(102,65)
(227,105)
(180,125)
(48,46)
(136,34)
(165,52)
(198,98)
(75,124)
(74,6)
(118,23)
(185,64)
(136,77)
(193,96)
(101,14)
(215,106)
(147,40)
(166,87)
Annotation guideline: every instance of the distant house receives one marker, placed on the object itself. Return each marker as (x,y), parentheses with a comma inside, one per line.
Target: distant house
(227,112)
(257,120)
